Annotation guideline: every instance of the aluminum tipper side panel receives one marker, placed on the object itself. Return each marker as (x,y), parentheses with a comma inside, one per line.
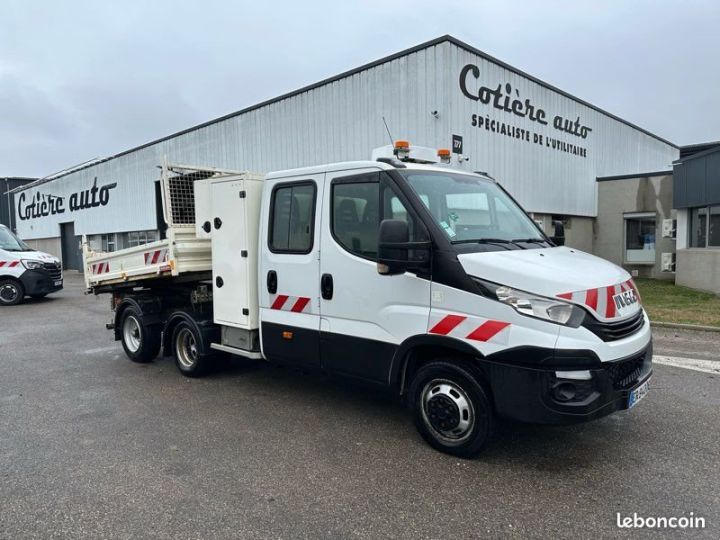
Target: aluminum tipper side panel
(182,252)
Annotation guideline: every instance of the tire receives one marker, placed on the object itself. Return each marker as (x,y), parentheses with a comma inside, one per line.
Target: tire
(141,343)
(12,292)
(451,409)
(186,351)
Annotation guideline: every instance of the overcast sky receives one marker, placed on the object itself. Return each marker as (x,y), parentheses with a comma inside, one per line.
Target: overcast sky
(86,79)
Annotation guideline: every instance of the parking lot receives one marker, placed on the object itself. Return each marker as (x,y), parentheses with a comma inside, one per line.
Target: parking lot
(92,445)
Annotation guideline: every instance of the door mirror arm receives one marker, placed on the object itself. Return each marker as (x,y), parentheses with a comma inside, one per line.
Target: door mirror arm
(558,238)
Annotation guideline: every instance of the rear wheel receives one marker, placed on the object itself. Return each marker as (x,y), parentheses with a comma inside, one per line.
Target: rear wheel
(186,351)
(452,411)
(11,292)
(141,343)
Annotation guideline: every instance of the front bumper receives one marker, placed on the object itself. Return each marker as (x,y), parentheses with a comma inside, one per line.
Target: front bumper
(37,282)
(543,395)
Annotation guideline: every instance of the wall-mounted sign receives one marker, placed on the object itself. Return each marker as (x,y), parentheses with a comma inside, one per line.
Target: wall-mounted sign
(457,144)
(44,204)
(508,100)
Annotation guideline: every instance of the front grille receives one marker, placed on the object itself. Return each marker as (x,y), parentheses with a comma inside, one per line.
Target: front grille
(613,331)
(55,271)
(625,373)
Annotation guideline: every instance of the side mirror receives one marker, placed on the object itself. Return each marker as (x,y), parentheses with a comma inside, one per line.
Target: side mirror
(559,237)
(393,238)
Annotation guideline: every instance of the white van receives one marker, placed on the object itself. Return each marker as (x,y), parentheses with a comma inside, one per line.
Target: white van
(25,271)
(410,275)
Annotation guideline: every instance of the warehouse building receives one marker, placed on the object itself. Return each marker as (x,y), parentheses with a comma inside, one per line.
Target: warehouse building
(544,145)
(665,224)
(696,198)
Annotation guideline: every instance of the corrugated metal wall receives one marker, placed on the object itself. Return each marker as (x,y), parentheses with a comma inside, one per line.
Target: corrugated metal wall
(342,120)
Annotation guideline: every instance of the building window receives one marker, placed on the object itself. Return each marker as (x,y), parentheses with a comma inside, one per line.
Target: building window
(705,227)
(640,238)
(109,242)
(140,238)
(292,218)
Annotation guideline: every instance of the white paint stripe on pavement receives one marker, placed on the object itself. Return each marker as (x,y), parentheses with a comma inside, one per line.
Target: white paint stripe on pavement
(100,350)
(706,366)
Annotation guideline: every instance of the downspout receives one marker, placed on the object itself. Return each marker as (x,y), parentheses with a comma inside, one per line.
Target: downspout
(10,209)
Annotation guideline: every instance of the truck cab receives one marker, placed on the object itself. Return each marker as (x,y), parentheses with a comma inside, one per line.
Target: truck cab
(436,281)
(25,271)
(398,271)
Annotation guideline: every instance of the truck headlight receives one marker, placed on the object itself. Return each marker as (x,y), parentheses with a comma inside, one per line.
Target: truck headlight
(532,305)
(32,265)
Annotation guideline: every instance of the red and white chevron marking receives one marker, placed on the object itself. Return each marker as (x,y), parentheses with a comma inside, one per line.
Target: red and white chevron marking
(9,264)
(600,300)
(464,327)
(296,304)
(100,268)
(156,256)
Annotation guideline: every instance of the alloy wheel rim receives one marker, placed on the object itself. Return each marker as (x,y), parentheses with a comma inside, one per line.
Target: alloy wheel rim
(131,333)
(186,348)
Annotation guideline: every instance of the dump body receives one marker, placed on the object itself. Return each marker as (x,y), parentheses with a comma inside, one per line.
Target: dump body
(186,249)
(181,252)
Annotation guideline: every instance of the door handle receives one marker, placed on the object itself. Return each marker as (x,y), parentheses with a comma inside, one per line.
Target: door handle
(272,282)
(326,286)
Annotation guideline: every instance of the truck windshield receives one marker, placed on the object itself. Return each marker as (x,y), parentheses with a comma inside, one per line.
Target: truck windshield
(472,209)
(10,242)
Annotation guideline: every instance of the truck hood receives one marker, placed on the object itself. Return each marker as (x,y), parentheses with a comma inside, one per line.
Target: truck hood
(601,287)
(30,256)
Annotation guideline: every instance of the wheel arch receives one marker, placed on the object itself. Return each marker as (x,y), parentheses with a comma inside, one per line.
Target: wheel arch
(149,307)
(418,350)
(206,330)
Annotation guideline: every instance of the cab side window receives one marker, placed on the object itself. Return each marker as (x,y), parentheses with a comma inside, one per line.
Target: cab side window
(292,218)
(359,204)
(355,214)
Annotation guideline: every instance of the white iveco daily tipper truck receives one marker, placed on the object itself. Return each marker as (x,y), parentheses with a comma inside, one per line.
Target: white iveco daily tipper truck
(399,271)
(24,271)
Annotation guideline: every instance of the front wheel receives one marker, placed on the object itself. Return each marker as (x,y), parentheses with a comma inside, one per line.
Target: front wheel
(451,409)
(186,351)
(11,292)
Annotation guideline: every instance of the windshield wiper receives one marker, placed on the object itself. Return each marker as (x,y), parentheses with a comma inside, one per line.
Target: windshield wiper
(529,240)
(500,241)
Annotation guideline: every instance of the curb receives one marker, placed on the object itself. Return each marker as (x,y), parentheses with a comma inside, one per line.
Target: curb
(682,326)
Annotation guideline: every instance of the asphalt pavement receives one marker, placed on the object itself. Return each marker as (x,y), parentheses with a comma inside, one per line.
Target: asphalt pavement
(95,446)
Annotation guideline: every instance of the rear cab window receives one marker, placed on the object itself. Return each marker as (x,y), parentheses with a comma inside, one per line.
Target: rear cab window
(292,218)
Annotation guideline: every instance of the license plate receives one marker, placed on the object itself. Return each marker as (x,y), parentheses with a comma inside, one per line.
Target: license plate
(58,283)
(625,302)
(637,394)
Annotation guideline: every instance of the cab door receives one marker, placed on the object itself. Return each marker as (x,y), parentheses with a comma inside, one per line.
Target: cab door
(365,315)
(289,287)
